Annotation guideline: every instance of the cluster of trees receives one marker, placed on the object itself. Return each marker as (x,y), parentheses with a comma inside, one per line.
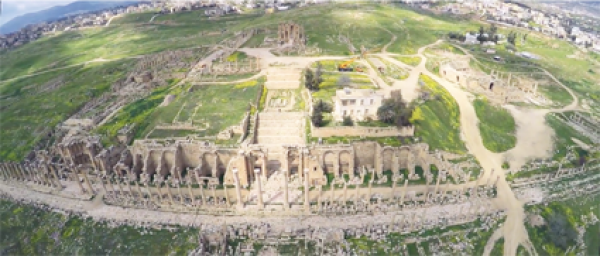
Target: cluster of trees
(318,109)
(395,111)
(457,36)
(491,34)
(512,37)
(312,80)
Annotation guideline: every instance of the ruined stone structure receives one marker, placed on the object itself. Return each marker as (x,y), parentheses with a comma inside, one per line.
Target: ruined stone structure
(587,125)
(498,87)
(291,33)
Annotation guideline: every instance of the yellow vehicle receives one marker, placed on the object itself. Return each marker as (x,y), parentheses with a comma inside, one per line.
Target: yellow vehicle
(344,66)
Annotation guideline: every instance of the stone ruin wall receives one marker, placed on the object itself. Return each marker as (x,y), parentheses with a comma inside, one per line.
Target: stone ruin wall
(507,87)
(362,131)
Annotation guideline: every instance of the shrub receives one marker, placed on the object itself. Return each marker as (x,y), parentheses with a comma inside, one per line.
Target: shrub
(347,121)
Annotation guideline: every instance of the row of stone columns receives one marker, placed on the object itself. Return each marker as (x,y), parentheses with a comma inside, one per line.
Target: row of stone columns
(43,174)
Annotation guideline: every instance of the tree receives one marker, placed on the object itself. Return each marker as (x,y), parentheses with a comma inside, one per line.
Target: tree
(323,107)
(480,37)
(317,117)
(317,80)
(347,121)
(308,79)
(493,31)
(511,37)
(395,111)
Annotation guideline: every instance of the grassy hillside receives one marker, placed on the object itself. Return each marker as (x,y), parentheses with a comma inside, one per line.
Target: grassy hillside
(437,120)
(497,126)
(32,107)
(27,116)
(27,230)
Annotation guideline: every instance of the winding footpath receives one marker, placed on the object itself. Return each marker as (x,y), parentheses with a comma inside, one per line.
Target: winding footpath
(513,230)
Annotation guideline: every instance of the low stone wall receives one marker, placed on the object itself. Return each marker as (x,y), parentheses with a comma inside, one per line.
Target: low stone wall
(362,131)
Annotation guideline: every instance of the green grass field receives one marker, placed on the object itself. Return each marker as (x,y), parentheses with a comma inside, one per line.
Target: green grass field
(437,120)
(497,126)
(27,230)
(31,107)
(413,61)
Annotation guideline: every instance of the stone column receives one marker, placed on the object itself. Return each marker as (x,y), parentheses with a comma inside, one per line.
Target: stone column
(403,192)
(437,184)
(286,202)
(393,188)
(158,181)
(139,190)
(121,190)
(446,189)
(125,179)
(3,171)
(214,192)
(87,182)
(169,192)
(319,198)
(76,178)
(150,198)
(181,198)
(331,187)
(300,162)
(202,197)
(55,176)
(306,190)
(345,193)
(238,192)
(226,194)
(20,171)
(370,195)
(112,186)
(13,173)
(356,190)
(103,185)
(264,165)
(261,204)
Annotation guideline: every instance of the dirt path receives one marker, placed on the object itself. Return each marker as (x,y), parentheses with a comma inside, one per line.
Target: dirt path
(513,229)
(110,20)
(394,37)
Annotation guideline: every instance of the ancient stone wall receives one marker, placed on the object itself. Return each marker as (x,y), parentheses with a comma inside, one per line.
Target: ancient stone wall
(362,131)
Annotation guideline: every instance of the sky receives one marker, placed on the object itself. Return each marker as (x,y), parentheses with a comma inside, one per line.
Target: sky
(14,8)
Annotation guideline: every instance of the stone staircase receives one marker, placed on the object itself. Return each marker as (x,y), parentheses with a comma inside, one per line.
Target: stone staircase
(283,78)
(279,128)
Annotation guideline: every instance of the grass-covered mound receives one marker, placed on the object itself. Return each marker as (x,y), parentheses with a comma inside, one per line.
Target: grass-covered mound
(31,107)
(497,126)
(27,230)
(212,107)
(437,120)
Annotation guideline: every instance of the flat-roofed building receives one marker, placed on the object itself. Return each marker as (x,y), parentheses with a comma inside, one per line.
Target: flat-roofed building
(357,103)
